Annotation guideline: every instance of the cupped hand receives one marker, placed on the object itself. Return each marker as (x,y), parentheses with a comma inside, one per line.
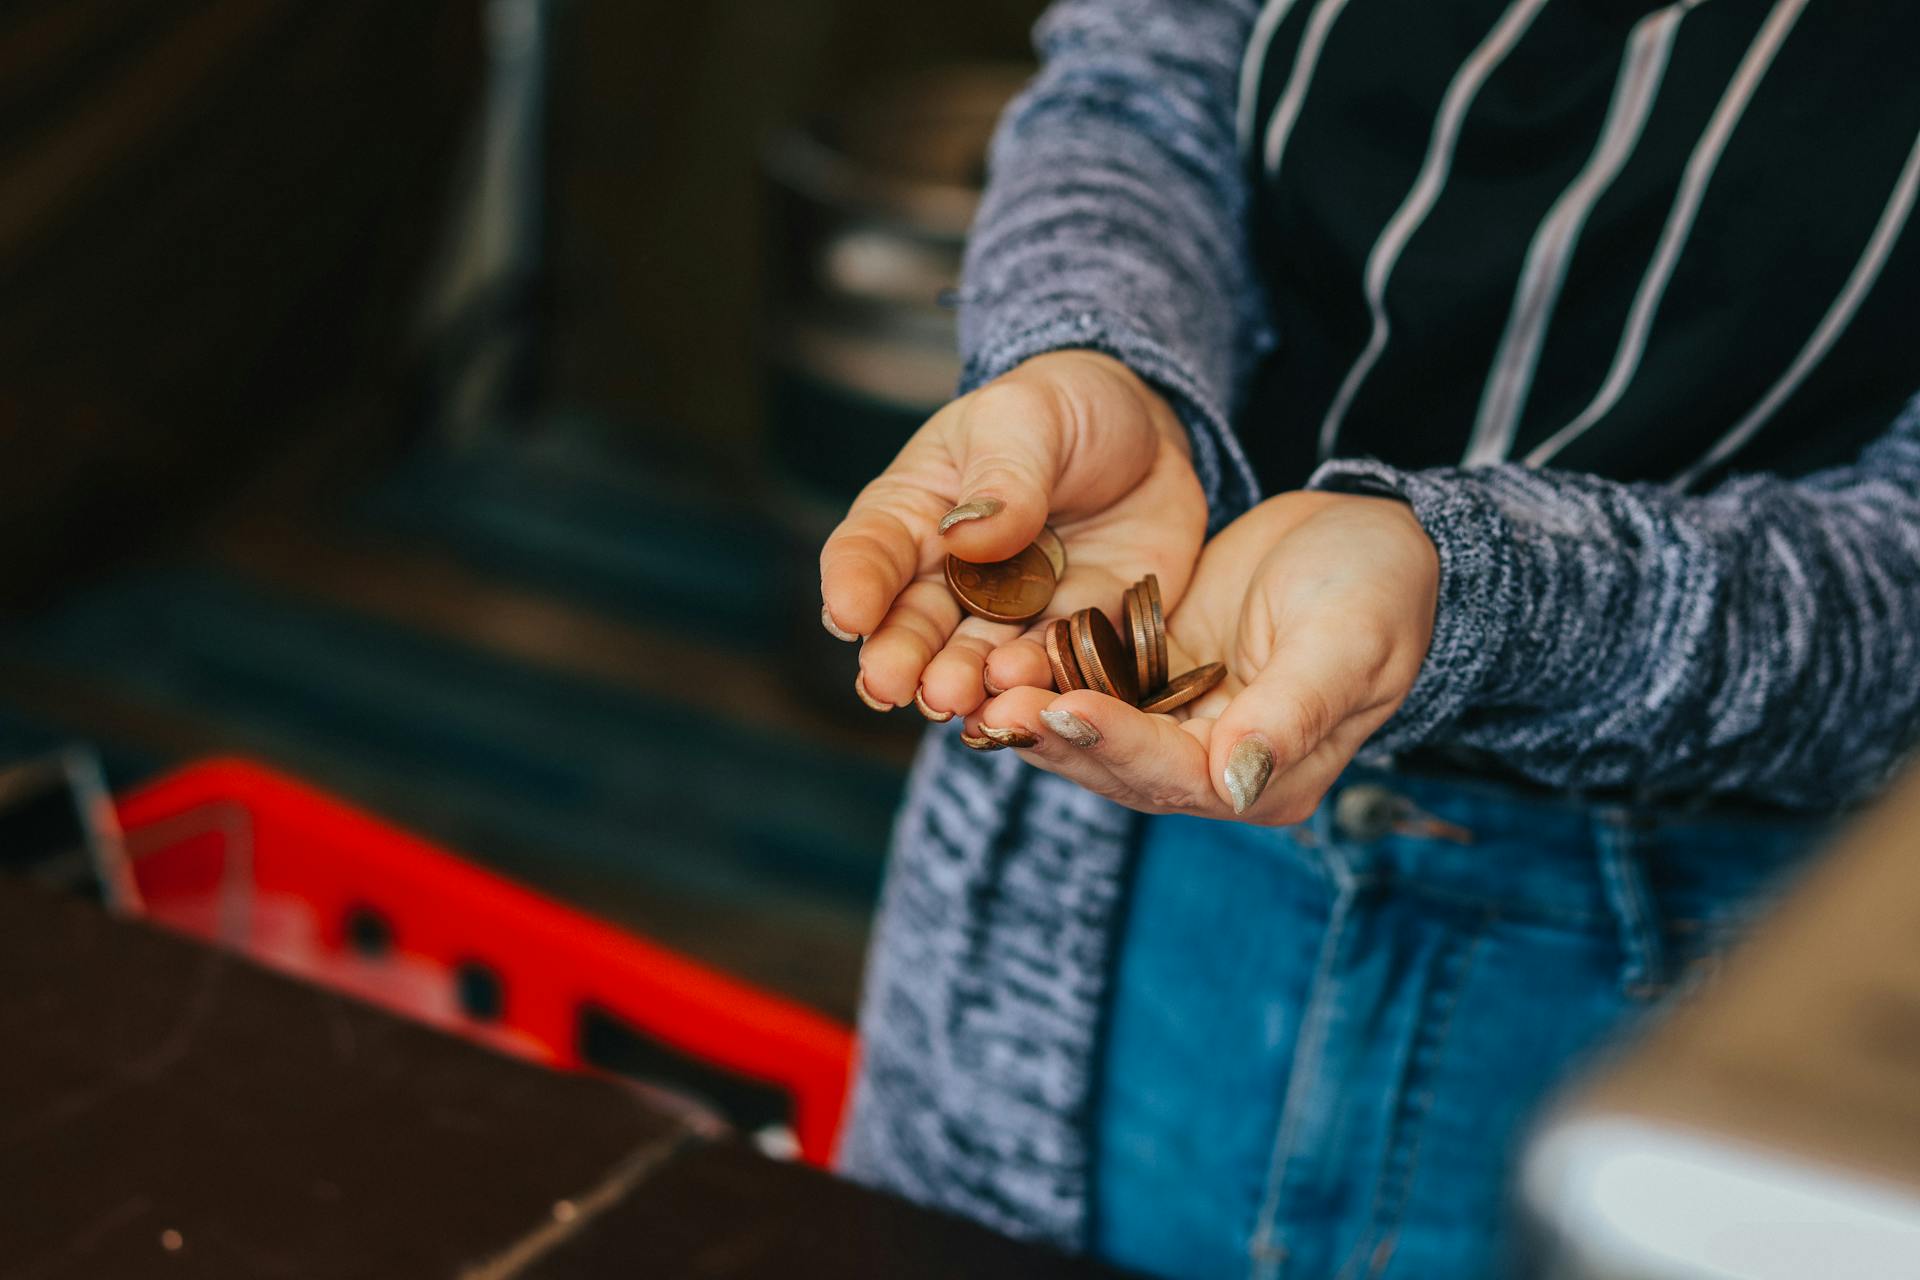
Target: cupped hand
(1073,439)
(1322,607)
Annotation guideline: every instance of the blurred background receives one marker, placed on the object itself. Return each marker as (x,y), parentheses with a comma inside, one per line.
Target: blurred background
(444,403)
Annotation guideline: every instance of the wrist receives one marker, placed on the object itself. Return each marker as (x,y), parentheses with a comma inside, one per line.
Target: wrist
(1479,602)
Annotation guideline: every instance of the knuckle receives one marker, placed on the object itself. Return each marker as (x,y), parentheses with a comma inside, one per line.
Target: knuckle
(1371,649)
(882,497)
(865,544)
(1009,401)
(1174,800)
(1174,793)
(1305,724)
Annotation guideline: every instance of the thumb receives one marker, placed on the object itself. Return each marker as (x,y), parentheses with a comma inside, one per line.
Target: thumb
(1307,690)
(1010,451)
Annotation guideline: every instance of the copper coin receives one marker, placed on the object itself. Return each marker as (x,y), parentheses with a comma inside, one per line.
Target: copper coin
(1145,640)
(1103,661)
(1140,637)
(1053,549)
(1184,688)
(1157,628)
(1066,670)
(1006,590)
(1086,658)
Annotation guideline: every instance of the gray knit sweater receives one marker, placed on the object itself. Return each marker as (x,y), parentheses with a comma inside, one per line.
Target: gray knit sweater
(1755,639)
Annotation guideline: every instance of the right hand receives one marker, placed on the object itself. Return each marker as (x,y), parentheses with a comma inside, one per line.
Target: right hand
(1074,439)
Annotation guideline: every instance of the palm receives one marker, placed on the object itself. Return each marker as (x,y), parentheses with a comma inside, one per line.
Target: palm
(1241,597)
(1322,607)
(1293,587)
(1122,495)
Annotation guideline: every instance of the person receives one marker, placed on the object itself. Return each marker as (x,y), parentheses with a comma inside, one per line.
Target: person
(1572,340)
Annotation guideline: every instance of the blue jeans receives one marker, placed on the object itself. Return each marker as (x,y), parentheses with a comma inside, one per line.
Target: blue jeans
(1325,1041)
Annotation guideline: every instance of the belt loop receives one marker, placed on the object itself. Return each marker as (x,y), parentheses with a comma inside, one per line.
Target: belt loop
(1623,880)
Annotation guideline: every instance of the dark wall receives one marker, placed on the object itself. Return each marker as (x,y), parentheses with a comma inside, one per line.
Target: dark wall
(212,219)
(659,114)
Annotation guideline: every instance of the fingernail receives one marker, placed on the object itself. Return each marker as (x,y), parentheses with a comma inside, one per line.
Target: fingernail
(979,744)
(1071,727)
(1249,765)
(826,620)
(978,509)
(1011,737)
(860,690)
(938,717)
(986,682)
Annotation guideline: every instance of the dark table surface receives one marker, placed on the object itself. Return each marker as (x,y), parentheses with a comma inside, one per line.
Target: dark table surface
(171,1110)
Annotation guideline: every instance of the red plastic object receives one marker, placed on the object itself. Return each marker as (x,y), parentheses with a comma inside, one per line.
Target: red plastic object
(236,854)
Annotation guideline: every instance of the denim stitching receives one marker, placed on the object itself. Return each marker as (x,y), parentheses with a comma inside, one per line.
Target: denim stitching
(1408,1129)
(1643,973)
(1267,1253)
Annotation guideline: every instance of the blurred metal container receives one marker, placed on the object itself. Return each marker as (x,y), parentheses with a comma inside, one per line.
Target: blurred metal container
(868,211)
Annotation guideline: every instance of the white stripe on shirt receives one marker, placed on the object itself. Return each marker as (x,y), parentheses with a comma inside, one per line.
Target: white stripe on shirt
(1253,64)
(1420,200)
(1510,378)
(1893,220)
(1305,58)
(1673,237)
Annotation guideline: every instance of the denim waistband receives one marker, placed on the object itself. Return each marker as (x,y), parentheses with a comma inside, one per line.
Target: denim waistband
(1516,851)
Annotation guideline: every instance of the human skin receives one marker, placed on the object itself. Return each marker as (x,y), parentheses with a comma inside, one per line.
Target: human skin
(1320,604)
(1071,438)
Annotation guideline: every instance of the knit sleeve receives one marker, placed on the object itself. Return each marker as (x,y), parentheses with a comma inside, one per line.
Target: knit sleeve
(1115,216)
(1761,639)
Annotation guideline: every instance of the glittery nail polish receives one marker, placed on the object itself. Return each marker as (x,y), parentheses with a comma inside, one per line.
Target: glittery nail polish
(973,509)
(1011,737)
(1071,727)
(1249,766)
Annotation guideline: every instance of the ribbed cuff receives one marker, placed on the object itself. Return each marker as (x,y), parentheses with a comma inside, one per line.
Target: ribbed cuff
(1480,601)
(1225,474)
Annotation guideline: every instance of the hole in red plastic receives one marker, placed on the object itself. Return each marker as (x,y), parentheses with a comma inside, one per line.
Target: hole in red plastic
(483,997)
(368,932)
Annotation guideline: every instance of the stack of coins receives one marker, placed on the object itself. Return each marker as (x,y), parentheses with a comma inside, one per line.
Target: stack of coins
(1085,651)
(1130,664)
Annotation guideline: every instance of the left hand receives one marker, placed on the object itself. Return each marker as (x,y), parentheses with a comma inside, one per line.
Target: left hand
(1322,607)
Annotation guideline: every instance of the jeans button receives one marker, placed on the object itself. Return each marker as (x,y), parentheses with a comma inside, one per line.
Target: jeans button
(1367,812)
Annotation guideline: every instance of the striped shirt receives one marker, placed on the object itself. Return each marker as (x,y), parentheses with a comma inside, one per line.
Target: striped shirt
(1654,242)
(1645,247)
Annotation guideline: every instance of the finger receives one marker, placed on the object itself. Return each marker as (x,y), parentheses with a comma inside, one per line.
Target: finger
(874,553)
(1159,765)
(906,640)
(1019,709)
(1293,796)
(954,680)
(1010,446)
(1022,660)
(1314,682)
